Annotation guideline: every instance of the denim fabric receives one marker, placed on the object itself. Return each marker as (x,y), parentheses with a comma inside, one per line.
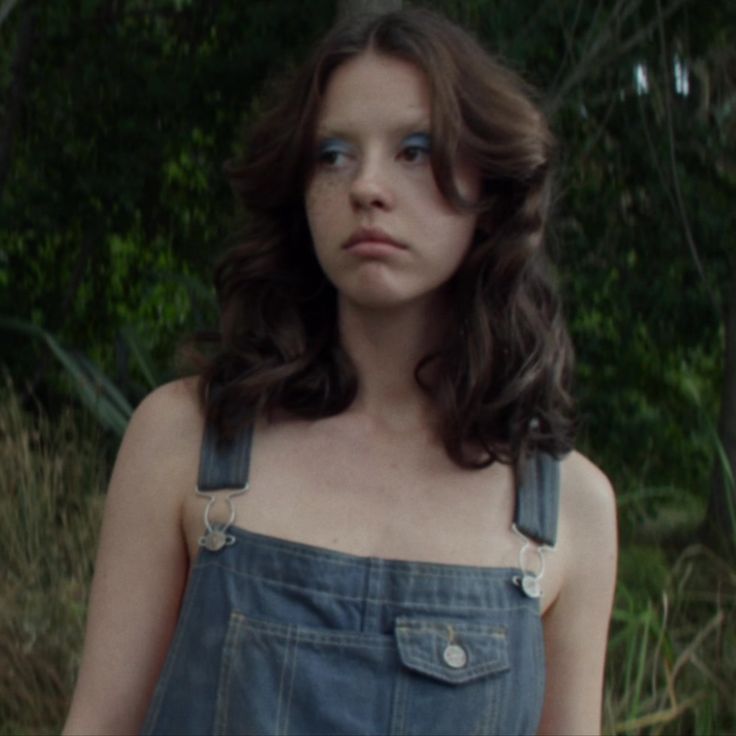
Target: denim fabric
(277,637)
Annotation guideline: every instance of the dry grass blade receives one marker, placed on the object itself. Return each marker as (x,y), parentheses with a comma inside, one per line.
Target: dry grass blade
(662,717)
(689,652)
(50,505)
(688,670)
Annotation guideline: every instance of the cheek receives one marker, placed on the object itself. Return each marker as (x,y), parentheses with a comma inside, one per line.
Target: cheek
(320,202)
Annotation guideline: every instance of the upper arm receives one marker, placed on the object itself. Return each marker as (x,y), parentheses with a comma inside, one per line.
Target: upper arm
(576,624)
(142,565)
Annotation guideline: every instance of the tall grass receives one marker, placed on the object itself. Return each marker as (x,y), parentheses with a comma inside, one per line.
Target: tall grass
(672,651)
(51,481)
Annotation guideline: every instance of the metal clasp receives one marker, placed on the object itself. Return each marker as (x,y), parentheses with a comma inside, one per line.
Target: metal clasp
(530,581)
(216,534)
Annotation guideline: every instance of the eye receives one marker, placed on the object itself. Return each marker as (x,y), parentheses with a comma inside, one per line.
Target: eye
(332,153)
(416,148)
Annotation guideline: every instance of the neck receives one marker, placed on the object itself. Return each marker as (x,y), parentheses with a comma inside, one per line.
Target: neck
(385,347)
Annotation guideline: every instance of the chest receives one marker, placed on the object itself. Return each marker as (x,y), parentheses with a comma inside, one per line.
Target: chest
(373,495)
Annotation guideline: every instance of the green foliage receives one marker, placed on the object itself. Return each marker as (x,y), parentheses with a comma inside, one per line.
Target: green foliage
(96,391)
(116,191)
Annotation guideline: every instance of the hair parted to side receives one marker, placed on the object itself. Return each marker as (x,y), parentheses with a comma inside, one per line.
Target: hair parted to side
(501,380)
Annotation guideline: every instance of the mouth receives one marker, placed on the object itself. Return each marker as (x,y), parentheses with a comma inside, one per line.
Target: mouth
(371,235)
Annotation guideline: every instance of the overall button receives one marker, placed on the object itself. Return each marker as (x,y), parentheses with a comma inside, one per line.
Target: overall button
(455,656)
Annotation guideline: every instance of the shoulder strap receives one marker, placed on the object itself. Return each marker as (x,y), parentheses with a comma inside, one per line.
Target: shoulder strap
(537,499)
(224,464)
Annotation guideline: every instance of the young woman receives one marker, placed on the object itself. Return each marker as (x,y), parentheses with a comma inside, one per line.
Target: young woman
(418,549)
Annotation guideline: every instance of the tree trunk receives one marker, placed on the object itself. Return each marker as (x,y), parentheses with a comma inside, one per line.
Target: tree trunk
(19,73)
(720,521)
(357,7)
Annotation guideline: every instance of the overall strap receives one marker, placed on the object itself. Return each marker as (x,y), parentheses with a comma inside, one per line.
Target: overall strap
(537,499)
(224,464)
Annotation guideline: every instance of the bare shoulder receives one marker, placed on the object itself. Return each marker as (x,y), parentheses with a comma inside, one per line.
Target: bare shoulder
(588,523)
(155,467)
(168,422)
(170,413)
(134,604)
(587,498)
(576,622)
(160,450)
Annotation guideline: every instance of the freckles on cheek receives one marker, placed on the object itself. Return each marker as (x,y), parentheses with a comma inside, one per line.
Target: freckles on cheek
(316,204)
(321,199)
(322,190)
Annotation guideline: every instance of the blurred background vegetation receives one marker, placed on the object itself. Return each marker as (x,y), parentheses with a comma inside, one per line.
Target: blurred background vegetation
(115,118)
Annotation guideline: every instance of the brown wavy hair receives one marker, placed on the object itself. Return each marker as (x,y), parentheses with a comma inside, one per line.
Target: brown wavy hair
(501,380)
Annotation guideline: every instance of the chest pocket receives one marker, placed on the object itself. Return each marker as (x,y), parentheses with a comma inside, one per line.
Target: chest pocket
(454,678)
(426,677)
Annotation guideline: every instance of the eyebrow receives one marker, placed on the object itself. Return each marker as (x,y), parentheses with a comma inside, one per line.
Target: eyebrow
(398,129)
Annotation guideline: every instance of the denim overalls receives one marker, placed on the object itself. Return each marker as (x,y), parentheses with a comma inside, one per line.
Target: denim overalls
(277,637)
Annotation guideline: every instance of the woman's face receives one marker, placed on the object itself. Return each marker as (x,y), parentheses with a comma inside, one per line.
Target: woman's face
(382,231)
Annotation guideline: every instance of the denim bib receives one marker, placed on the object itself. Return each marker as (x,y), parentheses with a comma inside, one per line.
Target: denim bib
(278,637)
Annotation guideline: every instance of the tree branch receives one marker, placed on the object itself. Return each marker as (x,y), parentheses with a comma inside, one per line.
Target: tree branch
(594,55)
(568,35)
(680,209)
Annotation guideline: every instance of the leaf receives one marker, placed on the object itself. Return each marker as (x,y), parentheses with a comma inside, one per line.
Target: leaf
(92,386)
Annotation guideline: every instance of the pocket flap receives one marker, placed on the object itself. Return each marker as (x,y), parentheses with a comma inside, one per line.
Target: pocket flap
(455,652)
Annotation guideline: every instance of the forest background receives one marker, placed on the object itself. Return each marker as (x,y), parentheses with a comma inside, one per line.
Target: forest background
(115,119)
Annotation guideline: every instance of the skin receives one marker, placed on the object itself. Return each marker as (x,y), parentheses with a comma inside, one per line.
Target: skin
(373,170)
(371,481)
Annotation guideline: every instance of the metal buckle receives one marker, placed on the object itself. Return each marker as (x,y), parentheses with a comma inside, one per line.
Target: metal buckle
(216,536)
(530,581)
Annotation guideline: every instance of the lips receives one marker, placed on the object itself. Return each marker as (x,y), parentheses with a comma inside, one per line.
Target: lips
(371,235)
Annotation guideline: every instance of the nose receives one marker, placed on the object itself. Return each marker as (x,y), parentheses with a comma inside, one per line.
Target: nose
(371,186)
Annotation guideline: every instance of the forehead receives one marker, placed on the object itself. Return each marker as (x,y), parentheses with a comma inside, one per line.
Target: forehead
(375,86)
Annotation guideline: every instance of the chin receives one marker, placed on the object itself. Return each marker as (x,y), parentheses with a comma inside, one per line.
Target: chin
(386,300)
(383,291)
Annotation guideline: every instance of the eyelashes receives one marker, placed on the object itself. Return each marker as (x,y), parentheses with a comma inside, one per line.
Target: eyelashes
(416,146)
(334,153)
